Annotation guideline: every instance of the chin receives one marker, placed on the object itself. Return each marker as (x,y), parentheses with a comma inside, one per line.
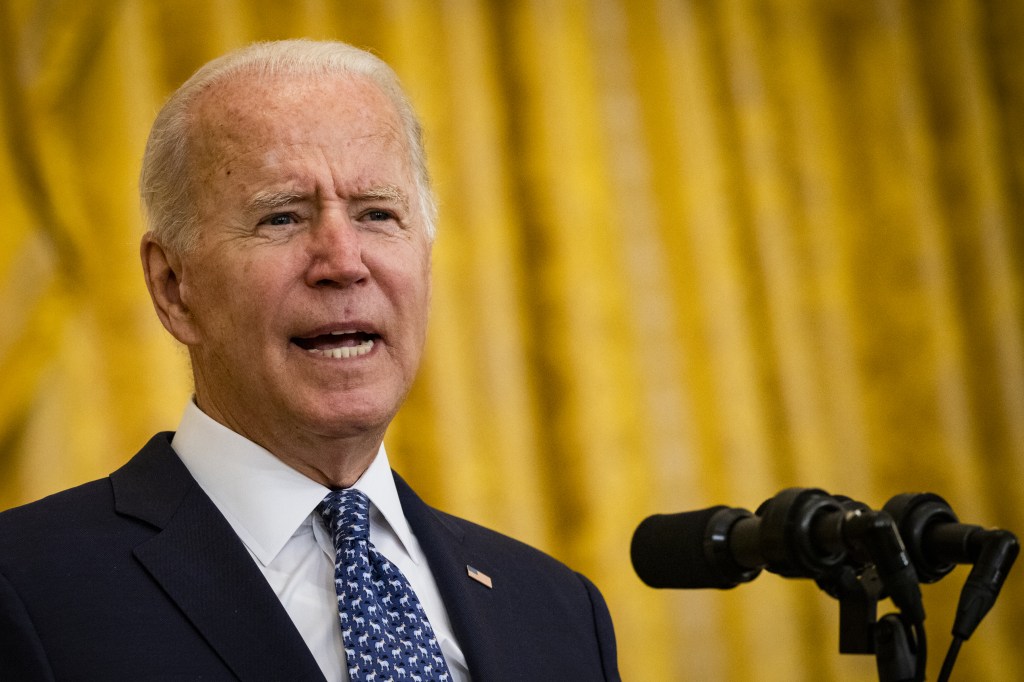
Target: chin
(350,419)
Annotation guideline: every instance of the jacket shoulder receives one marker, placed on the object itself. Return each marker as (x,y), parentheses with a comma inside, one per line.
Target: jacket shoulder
(82,515)
(56,514)
(507,548)
(529,601)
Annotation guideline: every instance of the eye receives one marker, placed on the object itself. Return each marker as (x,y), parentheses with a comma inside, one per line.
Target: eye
(378,216)
(277,219)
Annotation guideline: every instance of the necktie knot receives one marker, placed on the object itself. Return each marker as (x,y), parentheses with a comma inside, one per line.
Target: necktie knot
(346,514)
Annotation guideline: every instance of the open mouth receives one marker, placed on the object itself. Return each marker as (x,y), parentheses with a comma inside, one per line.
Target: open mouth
(340,344)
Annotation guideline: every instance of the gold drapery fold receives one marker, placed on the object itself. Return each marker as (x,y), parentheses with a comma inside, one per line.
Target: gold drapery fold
(690,253)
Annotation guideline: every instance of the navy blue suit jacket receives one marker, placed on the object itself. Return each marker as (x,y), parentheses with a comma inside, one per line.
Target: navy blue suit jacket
(139,577)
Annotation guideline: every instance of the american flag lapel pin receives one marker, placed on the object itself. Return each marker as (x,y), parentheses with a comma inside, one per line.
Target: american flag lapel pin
(481,578)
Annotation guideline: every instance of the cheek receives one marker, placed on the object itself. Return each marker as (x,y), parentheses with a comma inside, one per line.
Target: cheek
(415,287)
(227,297)
(420,309)
(403,273)
(408,294)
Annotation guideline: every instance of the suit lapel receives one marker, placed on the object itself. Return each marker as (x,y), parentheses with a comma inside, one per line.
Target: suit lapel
(474,609)
(202,565)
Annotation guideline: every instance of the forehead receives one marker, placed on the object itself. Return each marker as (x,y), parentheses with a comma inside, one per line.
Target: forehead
(245,113)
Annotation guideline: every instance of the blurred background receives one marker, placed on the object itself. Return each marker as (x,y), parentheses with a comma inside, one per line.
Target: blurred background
(690,253)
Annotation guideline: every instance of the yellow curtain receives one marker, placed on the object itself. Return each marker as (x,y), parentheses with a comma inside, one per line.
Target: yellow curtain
(690,253)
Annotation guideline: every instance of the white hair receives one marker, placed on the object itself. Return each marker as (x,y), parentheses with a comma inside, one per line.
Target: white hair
(165,184)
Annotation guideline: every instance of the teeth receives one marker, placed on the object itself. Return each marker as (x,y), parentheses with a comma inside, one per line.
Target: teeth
(346,351)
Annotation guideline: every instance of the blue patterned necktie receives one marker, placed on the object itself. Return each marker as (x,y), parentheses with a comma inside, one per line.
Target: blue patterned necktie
(383,625)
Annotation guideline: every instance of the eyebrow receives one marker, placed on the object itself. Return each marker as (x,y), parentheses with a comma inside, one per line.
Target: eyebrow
(384,193)
(268,200)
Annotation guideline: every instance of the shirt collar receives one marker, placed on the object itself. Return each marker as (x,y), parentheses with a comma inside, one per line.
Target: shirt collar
(264,499)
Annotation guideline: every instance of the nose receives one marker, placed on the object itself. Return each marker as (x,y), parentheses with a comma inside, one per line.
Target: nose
(335,252)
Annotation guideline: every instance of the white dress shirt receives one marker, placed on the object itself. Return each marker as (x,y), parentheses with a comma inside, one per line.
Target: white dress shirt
(272,509)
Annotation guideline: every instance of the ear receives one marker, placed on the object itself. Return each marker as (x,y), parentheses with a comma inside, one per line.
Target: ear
(163,271)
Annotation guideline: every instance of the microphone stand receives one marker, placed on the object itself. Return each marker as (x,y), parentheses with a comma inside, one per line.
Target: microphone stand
(889,639)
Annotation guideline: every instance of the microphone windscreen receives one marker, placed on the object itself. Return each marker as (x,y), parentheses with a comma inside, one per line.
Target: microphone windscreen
(668,550)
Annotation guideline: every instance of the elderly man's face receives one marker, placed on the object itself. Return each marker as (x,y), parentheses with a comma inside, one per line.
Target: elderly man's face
(308,292)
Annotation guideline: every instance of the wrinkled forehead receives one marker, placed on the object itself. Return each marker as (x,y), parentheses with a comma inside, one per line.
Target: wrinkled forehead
(247,111)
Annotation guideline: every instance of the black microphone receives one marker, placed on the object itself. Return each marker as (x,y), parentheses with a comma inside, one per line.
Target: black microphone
(799,533)
(936,541)
(694,550)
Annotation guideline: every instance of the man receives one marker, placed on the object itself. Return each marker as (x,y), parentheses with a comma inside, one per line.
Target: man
(291,223)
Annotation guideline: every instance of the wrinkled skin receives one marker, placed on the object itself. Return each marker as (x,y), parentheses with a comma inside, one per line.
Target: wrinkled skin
(310,224)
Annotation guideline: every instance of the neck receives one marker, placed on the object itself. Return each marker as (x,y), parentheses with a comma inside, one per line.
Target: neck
(333,468)
(332,461)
